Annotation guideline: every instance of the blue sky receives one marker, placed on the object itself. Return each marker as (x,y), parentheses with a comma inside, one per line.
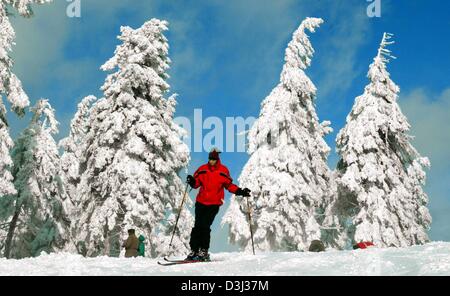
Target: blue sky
(227,57)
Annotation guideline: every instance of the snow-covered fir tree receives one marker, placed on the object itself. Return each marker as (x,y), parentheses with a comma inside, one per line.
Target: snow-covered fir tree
(380,174)
(73,151)
(36,217)
(134,152)
(11,87)
(73,155)
(287,170)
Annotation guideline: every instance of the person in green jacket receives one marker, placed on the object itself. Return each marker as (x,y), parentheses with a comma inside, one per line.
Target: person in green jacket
(141,247)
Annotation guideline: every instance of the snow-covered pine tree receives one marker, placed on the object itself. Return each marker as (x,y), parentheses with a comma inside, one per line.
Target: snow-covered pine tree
(73,150)
(380,174)
(73,155)
(134,152)
(287,170)
(37,219)
(10,86)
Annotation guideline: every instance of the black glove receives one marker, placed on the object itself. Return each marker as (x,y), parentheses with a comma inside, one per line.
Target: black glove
(190,180)
(243,192)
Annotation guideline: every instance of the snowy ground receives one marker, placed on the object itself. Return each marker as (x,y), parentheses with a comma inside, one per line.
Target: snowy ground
(431,259)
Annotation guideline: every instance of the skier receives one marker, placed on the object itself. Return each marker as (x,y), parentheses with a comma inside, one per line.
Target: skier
(212,178)
(131,244)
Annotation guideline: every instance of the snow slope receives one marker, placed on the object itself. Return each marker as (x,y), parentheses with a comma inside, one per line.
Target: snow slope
(430,259)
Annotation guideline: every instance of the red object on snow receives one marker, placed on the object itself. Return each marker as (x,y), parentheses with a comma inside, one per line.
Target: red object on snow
(212,181)
(363,245)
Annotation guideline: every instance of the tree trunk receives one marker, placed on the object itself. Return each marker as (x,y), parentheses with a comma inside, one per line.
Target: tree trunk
(12,228)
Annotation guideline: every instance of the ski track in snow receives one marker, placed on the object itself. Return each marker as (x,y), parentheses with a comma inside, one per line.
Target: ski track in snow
(430,259)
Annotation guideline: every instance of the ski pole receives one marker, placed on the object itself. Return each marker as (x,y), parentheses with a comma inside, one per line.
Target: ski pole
(179,214)
(250,224)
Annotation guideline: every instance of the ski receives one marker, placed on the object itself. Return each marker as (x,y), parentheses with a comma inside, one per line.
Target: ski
(176,262)
(169,262)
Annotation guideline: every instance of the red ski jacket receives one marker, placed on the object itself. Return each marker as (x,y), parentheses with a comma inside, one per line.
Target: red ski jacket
(212,180)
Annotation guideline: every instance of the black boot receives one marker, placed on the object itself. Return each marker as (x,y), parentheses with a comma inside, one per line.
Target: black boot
(203,255)
(192,256)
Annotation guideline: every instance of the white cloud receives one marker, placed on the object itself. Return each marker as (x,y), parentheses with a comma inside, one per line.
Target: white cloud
(429,116)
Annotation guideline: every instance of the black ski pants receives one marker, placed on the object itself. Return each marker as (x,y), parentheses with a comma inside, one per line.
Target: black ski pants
(201,233)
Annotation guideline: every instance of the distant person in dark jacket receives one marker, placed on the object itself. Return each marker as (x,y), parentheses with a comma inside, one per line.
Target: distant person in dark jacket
(131,245)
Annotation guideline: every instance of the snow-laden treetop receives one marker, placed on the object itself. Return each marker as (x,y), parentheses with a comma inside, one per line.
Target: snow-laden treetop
(381,84)
(389,117)
(44,110)
(295,92)
(383,53)
(142,59)
(299,53)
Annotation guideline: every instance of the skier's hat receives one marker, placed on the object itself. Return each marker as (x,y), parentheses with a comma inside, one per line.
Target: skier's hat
(214,154)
